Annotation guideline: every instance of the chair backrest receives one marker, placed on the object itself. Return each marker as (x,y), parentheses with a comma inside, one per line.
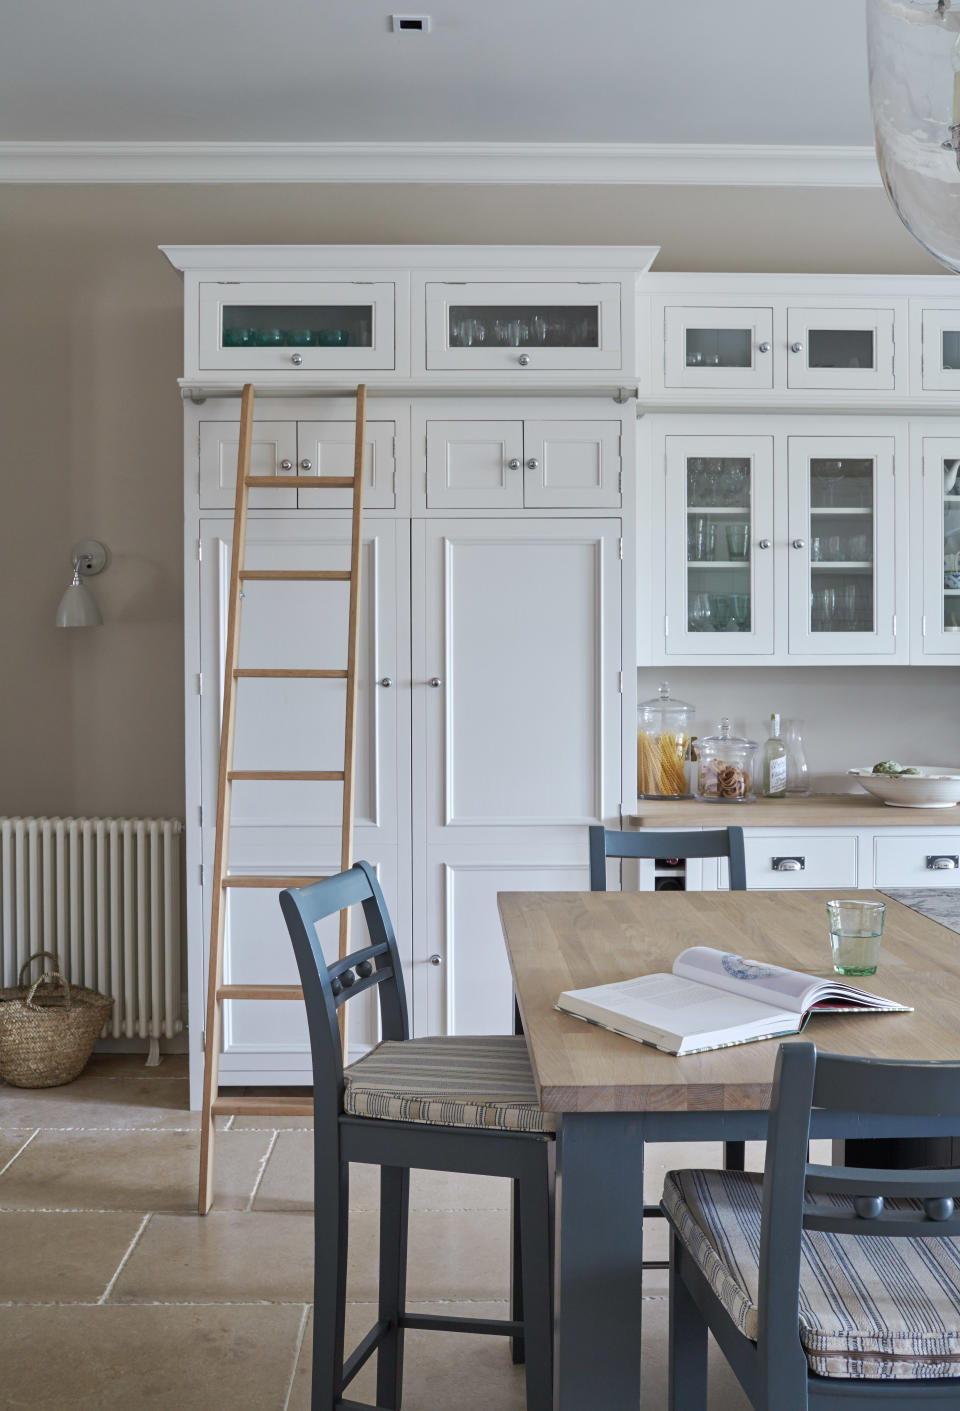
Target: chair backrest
(327,986)
(719,842)
(804,1081)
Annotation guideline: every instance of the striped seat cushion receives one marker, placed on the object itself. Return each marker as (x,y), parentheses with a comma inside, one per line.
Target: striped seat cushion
(451,1082)
(870,1306)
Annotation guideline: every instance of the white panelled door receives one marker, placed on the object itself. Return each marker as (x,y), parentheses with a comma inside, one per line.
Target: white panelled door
(298,724)
(516,708)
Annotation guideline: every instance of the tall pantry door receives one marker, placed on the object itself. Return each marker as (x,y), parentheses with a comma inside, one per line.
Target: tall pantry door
(294,827)
(516,739)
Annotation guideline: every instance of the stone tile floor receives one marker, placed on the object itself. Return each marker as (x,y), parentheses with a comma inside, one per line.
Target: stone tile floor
(117,1295)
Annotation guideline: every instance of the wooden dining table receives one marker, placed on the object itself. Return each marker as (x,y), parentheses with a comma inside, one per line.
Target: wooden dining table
(612,1095)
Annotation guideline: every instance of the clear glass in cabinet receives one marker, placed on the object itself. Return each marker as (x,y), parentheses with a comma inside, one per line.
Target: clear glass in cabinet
(719,347)
(719,496)
(296,326)
(524,325)
(841,348)
(951,544)
(841,545)
(950,350)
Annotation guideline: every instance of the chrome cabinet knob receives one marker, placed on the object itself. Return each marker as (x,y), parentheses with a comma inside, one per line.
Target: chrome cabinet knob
(514,464)
(386,681)
(296,359)
(943,862)
(763,347)
(435,959)
(799,543)
(763,543)
(789,864)
(435,681)
(796,347)
(533,463)
(524,360)
(306,464)
(286,465)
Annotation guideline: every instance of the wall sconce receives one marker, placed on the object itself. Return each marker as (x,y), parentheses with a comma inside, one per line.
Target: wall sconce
(78,606)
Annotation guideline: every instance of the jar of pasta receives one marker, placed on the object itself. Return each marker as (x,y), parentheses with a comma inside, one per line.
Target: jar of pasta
(663,746)
(725,766)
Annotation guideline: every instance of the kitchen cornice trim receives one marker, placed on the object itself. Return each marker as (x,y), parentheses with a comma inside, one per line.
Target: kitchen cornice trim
(463,163)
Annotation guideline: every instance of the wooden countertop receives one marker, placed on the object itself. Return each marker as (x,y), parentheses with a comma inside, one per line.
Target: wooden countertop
(817,811)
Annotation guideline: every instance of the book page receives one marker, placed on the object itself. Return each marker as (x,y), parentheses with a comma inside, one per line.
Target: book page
(787,989)
(675,1004)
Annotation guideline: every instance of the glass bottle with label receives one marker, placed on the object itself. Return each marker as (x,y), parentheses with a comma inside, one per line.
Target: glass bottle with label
(774,763)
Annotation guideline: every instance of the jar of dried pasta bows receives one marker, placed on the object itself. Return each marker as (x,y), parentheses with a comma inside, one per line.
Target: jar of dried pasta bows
(725,770)
(664,727)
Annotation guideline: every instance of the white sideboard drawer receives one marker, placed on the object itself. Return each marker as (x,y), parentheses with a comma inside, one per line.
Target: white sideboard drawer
(779,862)
(908,860)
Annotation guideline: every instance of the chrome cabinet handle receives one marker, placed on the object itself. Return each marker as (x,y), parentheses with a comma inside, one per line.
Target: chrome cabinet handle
(763,347)
(306,464)
(514,464)
(799,543)
(524,360)
(943,862)
(763,543)
(533,463)
(434,681)
(796,347)
(286,465)
(789,864)
(435,959)
(296,359)
(386,681)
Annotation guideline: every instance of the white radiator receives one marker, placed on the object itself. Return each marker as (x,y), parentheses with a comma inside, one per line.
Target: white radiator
(103,894)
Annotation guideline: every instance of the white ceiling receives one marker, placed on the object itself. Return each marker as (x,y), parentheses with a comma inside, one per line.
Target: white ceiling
(623,71)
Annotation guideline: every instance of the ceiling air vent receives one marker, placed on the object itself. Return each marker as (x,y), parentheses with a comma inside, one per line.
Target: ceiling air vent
(410,24)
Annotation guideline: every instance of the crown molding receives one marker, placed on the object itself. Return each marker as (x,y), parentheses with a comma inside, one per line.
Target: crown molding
(487,163)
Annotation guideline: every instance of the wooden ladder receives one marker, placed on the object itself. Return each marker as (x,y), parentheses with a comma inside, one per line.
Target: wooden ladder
(214,1104)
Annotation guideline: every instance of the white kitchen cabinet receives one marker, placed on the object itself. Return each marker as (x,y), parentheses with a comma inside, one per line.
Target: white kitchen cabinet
(841,349)
(273,451)
(513,464)
(718,347)
(327,448)
(516,715)
(938,337)
(298,448)
(936,544)
(523,327)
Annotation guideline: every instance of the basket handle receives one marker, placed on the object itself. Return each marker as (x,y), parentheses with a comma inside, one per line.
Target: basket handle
(36,956)
(48,975)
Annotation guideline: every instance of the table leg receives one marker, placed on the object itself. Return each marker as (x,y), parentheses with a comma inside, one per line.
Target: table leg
(599,1253)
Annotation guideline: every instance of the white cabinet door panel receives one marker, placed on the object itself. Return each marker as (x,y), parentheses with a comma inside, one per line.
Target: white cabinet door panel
(916,859)
(329,447)
(841,348)
(718,347)
(523,328)
(273,452)
(937,569)
(297,328)
(469,465)
(571,464)
(522,631)
(940,350)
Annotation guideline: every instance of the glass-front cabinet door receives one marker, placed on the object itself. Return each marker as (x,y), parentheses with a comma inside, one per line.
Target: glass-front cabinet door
(718,347)
(275,327)
(506,327)
(719,560)
(940,553)
(845,349)
(841,553)
(940,350)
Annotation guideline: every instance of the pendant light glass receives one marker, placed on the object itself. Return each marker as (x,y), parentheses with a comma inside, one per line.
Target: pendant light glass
(914,54)
(78,607)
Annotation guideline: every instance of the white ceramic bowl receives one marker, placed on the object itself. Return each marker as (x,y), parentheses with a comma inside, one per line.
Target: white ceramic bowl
(936,787)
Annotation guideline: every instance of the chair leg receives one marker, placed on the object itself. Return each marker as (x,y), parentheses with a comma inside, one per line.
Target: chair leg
(394,1204)
(535,1260)
(687,1339)
(331,1207)
(516,1271)
(734,1156)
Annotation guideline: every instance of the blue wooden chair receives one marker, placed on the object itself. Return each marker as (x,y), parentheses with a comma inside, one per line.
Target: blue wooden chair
(826,1287)
(443,1104)
(719,842)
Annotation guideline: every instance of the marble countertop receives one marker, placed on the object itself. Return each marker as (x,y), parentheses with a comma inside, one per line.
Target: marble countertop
(939,903)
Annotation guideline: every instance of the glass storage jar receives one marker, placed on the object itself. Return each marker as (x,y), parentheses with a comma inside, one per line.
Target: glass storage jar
(664,728)
(725,771)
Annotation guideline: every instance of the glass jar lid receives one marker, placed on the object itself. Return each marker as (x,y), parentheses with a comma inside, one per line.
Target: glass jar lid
(665,711)
(726,739)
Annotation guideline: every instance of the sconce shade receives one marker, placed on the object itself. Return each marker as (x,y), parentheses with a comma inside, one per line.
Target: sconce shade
(78,607)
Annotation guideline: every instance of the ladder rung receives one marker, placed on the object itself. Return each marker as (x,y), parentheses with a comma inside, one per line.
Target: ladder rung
(332,776)
(313,482)
(265,1106)
(244,880)
(260,992)
(284,672)
(296,575)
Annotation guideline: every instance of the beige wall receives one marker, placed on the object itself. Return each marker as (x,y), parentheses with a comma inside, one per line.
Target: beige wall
(90,348)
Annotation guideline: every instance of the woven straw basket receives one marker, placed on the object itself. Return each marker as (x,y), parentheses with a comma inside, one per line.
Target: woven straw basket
(48,1030)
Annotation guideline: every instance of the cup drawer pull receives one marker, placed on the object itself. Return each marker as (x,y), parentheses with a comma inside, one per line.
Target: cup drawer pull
(942,862)
(789,864)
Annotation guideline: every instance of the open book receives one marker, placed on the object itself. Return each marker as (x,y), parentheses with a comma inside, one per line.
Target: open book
(713,999)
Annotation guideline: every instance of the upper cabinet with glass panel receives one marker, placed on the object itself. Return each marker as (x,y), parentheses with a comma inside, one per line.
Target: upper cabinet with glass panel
(718,347)
(939,349)
(844,349)
(295,327)
(524,327)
